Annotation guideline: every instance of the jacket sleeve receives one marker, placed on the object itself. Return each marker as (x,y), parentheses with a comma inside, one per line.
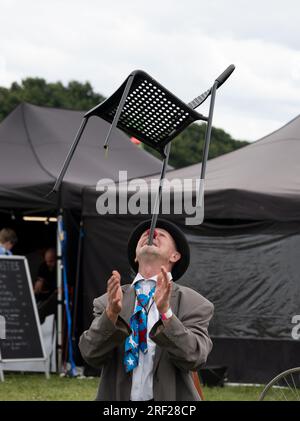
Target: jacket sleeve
(185,337)
(96,343)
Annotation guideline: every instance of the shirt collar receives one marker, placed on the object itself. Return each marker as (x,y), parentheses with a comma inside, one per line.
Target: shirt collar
(153,278)
(5,250)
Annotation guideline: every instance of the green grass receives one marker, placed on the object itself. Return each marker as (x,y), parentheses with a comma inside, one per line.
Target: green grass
(232,393)
(35,387)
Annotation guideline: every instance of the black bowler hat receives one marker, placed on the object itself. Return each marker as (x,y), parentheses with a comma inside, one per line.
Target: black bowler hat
(181,244)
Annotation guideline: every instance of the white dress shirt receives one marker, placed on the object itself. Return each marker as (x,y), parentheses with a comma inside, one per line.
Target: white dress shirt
(142,375)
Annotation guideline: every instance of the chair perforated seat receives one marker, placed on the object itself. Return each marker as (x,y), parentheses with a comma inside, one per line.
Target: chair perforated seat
(150,112)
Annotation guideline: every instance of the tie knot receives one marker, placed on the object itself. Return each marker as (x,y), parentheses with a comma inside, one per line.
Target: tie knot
(142,297)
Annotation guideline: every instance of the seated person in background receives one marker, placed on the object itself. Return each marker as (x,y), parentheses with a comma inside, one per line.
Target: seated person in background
(8,239)
(45,286)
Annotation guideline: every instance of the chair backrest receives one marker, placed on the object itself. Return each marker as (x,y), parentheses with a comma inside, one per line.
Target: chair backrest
(151,113)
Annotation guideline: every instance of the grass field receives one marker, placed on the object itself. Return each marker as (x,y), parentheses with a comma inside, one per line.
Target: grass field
(35,387)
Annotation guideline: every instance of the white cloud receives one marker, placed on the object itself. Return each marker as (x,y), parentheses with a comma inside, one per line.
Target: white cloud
(184,45)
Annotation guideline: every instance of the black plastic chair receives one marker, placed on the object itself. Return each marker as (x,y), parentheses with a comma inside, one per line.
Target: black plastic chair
(146,110)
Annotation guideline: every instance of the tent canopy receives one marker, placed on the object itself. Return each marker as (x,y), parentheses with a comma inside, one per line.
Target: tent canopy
(260,181)
(34,141)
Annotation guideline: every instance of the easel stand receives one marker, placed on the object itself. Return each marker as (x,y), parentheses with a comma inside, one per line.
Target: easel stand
(1,366)
(31,345)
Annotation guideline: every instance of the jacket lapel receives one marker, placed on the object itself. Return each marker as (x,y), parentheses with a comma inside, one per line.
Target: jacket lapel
(126,313)
(128,303)
(174,308)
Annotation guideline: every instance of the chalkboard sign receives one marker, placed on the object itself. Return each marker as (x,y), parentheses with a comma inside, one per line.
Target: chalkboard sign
(23,340)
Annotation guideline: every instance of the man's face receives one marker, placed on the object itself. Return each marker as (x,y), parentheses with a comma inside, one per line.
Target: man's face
(163,245)
(50,259)
(8,245)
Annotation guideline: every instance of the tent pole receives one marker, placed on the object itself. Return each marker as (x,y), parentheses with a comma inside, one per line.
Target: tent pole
(76,292)
(59,293)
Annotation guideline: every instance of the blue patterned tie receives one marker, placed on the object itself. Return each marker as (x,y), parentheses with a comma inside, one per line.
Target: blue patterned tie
(137,341)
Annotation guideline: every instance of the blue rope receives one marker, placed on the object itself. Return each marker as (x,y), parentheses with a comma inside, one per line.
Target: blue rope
(67,303)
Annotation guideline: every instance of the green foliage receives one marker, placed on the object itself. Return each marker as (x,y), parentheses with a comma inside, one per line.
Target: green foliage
(74,96)
(187,147)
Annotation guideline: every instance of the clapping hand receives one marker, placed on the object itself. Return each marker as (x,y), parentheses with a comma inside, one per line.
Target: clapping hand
(114,296)
(163,291)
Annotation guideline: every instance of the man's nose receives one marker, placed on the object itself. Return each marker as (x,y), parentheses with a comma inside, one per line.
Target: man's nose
(155,233)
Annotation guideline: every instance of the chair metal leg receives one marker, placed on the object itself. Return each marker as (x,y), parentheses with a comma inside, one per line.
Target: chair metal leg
(119,110)
(80,131)
(69,156)
(159,194)
(208,130)
(199,214)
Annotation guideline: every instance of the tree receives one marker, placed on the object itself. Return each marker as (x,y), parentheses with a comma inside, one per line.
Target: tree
(187,147)
(74,96)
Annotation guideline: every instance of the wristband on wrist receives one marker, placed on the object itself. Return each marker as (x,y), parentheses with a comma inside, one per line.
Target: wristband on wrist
(167,315)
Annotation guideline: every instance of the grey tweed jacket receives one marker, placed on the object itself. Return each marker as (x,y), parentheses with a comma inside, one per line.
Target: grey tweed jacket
(182,343)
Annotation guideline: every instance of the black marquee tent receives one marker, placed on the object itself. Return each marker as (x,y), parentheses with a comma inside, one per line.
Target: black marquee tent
(245,256)
(34,141)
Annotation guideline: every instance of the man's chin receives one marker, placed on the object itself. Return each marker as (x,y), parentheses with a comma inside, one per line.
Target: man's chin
(148,250)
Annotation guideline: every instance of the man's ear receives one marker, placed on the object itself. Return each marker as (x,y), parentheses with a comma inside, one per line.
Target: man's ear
(135,260)
(175,257)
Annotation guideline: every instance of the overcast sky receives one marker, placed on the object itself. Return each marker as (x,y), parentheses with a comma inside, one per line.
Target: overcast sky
(184,44)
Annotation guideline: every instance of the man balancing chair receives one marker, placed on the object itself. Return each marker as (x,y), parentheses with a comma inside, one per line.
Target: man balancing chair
(146,110)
